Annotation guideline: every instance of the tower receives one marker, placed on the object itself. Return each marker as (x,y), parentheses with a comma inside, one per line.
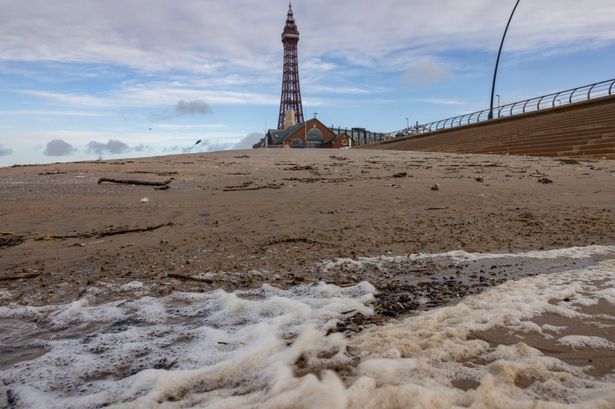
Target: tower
(291,109)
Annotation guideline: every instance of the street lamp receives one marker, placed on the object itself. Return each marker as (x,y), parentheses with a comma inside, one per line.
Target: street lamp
(499,105)
(497,62)
(407,123)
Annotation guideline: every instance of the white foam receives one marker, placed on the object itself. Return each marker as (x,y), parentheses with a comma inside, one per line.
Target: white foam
(439,341)
(458,256)
(269,348)
(580,341)
(215,338)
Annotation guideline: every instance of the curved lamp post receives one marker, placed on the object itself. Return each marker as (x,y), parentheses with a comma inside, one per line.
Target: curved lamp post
(497,62)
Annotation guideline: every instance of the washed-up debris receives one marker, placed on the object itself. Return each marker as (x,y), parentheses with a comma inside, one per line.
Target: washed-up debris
(435,187)
(297,167)
(480,179)
(53,172)
(436,208)
(112,231)
(545,181)
(135,182)
(291,240)
(10,241)
(315,180)
(145,200)
(249,186)
(400,175)
(21,276)
(338,157)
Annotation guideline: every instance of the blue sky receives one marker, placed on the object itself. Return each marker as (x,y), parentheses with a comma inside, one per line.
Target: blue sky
(131,78)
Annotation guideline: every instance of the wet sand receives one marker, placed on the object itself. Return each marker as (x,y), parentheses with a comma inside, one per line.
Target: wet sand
(239,219)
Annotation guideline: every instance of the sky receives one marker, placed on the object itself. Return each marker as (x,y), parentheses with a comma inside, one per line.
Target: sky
(90,79)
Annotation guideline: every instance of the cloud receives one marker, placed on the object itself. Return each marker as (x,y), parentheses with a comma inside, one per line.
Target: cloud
(196,107)
(236,34)
(248,141)
(5,151)
(439,101)
(156,94)
(112,146)
(425,73)
(183,108)
(58,147)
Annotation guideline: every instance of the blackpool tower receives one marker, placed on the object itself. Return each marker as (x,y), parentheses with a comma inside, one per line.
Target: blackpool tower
(291,109)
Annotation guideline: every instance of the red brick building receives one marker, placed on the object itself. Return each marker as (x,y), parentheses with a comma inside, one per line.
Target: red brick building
(310,134)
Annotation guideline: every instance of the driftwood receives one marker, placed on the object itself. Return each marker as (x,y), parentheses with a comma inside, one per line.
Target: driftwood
(291,240)
(190,278)
(246,187)
(114,232)
(105,233)
(134,182)
(20,277)
(10,241)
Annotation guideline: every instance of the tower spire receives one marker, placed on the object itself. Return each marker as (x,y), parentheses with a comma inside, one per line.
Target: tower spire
(291,108)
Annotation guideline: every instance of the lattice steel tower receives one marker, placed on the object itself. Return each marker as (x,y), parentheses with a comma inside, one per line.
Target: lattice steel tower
(291,109)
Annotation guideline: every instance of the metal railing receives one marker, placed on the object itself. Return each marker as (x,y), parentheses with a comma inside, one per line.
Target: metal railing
(569,96)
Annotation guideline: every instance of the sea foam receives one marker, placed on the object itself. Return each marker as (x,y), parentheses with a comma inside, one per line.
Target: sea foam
(270,348)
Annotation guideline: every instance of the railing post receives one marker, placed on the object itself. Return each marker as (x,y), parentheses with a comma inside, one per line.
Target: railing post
(589,93)
(554,99)
(539,101)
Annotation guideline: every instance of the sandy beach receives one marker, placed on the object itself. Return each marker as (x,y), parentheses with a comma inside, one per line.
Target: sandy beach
(385,237)
(248,217)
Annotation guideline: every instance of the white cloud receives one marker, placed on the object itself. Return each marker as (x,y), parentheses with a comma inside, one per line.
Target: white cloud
(328,89)
(154,94)
(248,141)
(440,101)
(41,113)
(245,35)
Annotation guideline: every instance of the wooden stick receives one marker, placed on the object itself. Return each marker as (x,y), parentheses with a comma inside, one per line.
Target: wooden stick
(135,182)
(114,232)
(20,277)
(105,233)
